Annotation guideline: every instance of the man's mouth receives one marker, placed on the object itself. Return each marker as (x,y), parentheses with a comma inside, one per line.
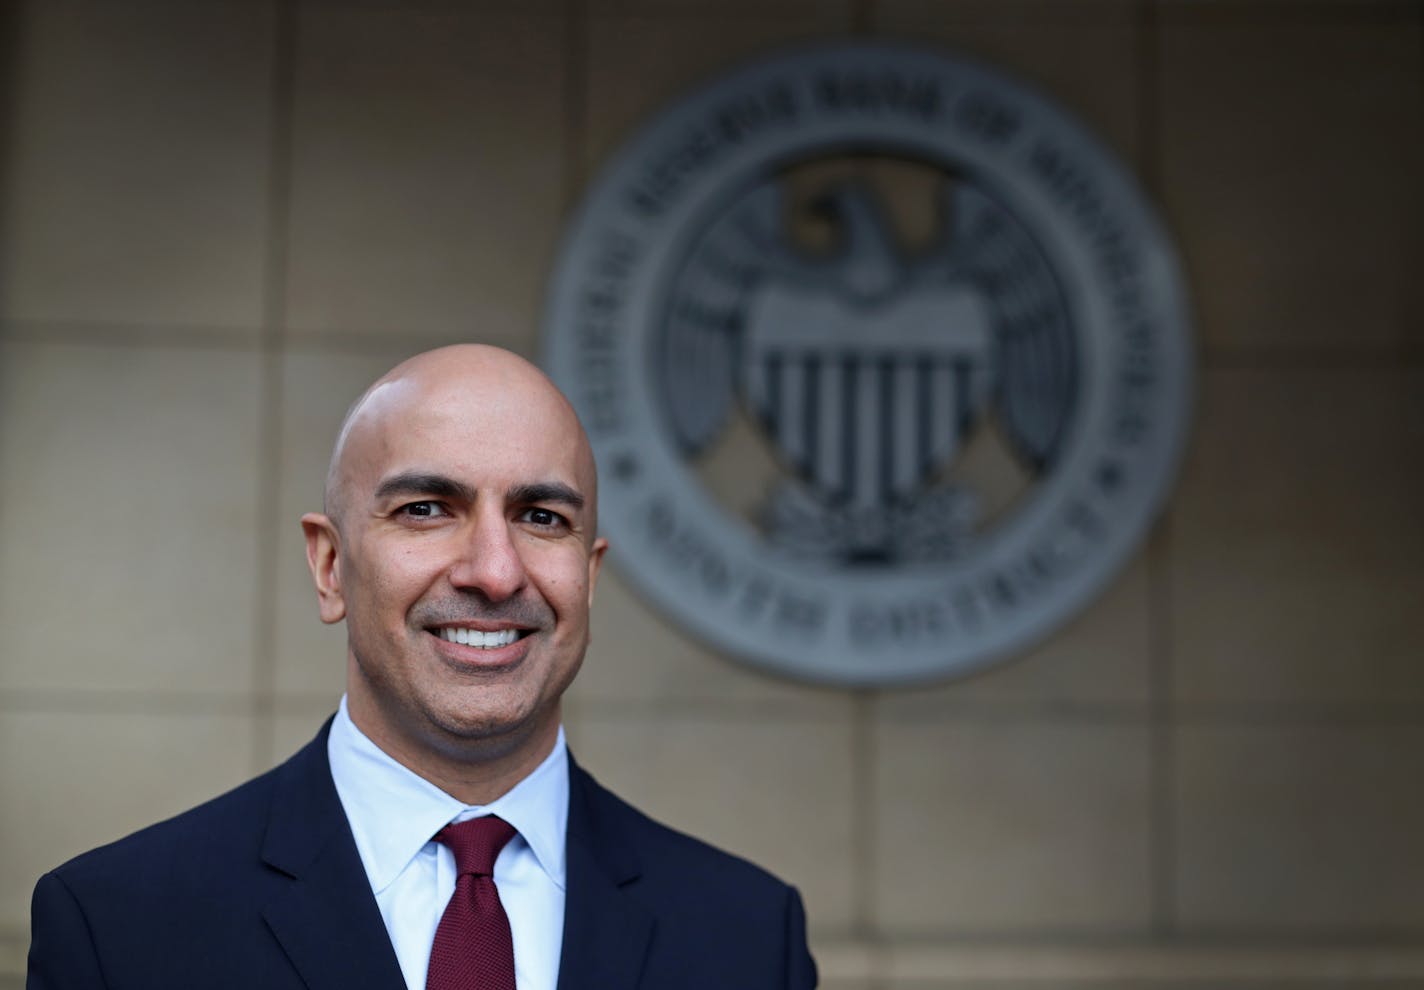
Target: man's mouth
(479,638)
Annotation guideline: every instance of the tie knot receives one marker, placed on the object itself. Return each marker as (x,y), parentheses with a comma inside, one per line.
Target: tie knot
(476,843)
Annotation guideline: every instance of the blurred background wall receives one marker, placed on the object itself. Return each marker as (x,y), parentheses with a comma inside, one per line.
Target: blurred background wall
(221,219)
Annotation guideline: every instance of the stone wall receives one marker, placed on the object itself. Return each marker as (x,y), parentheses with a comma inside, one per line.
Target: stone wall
(221,218)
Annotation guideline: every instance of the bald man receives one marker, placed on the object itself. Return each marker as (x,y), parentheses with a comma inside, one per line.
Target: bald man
(436,833)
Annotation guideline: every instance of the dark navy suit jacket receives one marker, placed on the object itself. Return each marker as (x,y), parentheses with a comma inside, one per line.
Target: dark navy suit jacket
(263,888)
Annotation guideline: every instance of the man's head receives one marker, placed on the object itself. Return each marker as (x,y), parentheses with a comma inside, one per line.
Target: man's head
(459,544)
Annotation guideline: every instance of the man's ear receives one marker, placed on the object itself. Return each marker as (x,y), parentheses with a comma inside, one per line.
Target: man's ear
(324,562)
(595,562)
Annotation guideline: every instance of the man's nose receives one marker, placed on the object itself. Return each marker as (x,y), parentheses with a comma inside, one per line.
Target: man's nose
(488,559)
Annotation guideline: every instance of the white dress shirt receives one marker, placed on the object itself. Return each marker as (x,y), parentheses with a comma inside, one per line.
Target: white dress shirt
(394,813)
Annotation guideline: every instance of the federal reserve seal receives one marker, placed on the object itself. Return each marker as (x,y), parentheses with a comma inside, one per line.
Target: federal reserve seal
(884,359)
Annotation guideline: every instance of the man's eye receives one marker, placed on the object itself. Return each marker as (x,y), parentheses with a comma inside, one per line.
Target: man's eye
(543,517)
(422,510)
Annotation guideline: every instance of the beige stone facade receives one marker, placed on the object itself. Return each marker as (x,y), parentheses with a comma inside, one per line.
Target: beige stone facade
(220,218)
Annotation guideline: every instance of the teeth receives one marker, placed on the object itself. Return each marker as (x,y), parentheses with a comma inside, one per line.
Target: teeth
(480,639)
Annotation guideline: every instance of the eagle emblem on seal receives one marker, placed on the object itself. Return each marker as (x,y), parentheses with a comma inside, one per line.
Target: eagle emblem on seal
(868,367)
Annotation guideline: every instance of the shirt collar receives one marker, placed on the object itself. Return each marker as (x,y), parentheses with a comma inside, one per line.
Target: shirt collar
(394,811)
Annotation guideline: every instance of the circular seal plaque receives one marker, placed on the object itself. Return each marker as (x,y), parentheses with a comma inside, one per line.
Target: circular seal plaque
(883,357)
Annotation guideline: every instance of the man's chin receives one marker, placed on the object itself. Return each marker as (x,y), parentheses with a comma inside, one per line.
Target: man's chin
(484,735)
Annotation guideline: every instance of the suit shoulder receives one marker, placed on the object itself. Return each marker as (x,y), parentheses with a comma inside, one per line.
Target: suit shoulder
(720,920)
(202,845)
(216,827)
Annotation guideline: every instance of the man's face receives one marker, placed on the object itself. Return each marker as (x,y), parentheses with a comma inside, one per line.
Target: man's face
(464,564)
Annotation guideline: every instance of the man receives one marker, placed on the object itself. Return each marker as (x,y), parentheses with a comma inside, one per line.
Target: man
(460,547)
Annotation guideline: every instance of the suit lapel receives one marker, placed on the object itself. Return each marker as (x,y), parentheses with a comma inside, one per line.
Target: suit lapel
(325,917)
(606,932)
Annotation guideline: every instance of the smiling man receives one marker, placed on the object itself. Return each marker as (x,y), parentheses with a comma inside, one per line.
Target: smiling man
(436,833)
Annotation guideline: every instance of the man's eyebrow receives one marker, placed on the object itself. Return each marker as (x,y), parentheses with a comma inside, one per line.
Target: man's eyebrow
(423,483)
(545,491)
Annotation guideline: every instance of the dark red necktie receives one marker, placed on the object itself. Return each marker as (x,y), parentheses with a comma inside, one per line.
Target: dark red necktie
(473,949)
